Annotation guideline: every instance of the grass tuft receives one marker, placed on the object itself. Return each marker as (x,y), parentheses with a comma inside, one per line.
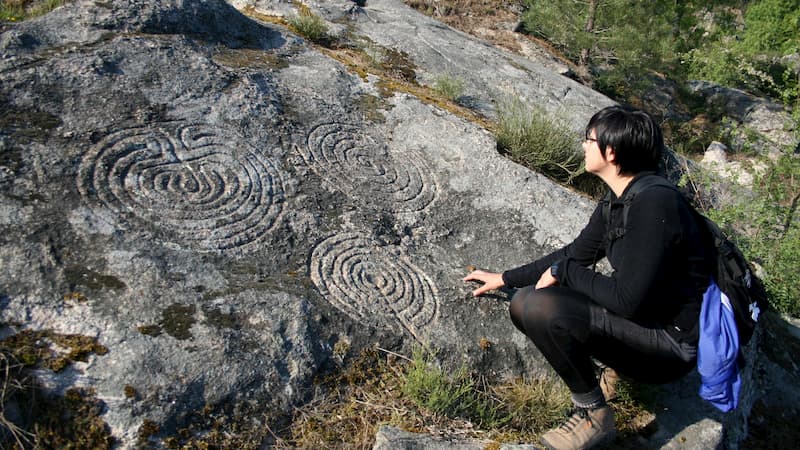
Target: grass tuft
(19,10)
(417,395)
(455,396)
(538,140)
(310,26)
(449,86)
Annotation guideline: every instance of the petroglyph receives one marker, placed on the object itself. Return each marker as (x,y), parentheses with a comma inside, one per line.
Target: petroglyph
(205,189)
(373,284)
(354,162)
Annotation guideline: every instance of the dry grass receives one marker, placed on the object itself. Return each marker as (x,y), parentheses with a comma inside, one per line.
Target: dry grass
(539,140)
(14,383)
(469,13)
(30,417)
(17,10)
(382,388)
(413,394)
(491,20)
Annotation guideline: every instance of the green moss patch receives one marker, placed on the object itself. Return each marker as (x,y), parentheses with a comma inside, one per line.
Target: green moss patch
(214,316)
(239,425)
(177,320)
(43,420)
(150,330)
(82,276)
(19,10)
(372,107)
(25,125)
(50,350)
(244,58)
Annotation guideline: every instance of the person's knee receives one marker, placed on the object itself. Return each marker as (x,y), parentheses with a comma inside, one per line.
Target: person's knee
(533,307)
(517,307)
(543,308)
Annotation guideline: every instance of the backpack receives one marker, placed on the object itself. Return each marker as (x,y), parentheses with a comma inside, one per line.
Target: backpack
(728,267)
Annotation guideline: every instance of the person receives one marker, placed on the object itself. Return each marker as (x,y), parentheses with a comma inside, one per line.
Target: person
(642,319)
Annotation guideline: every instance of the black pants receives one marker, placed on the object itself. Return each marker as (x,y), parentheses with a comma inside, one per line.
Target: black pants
(570,329)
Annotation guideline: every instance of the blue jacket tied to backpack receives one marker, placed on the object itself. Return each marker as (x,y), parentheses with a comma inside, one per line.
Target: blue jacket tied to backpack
(718,351)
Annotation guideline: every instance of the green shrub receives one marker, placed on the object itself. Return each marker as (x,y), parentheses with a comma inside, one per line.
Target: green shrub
(449,86)
(766,226)
(452,396)
(17,10)
(310,26)
(538,140)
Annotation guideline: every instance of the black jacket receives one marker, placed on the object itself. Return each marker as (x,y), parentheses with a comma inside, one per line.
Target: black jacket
(659,267)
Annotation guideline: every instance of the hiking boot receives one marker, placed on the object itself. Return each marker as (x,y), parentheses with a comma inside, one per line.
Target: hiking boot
(608,378)
(585,429)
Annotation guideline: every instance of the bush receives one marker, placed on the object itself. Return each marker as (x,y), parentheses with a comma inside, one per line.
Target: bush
(449,86)
(538,140)
(766,226)
(15,10)
(452,396)
(310,26)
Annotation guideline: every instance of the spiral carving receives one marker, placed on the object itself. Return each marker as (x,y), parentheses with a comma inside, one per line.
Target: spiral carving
(372,284)
(351,160)
(203,188)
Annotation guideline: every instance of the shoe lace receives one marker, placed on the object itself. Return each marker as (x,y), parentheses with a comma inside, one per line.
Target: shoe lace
(577,417)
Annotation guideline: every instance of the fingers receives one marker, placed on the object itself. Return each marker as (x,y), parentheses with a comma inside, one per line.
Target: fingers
(486,288)
(490,281)
(546,280)
(475,275)
(481,290)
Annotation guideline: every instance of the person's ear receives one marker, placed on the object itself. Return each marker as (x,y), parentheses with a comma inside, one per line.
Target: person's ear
(611,155)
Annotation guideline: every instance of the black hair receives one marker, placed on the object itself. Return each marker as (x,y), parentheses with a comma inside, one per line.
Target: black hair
(633,134)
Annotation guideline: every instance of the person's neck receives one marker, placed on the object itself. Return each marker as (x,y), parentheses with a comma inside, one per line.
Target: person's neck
(617,182)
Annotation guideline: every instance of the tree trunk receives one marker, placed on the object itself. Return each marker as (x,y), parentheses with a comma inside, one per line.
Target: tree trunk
(583,62)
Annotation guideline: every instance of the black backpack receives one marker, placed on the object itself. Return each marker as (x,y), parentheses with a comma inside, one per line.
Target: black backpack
(727,265)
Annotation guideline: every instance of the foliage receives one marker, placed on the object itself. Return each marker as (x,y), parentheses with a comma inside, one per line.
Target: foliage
(766,226)
(454,396)
(310,25)
(449,86)
(16,10)
(771,27)
(416,394)
(561,23)
(744,51)
(615,44)
(539,140)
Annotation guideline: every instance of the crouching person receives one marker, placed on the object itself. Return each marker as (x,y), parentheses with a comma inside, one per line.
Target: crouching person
(642,319)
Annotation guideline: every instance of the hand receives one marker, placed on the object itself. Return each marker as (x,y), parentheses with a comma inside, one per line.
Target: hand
(546,280)
(490,281)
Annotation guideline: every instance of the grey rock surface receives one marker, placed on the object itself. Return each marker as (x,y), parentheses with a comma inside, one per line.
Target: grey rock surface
(759,124)
(219,199)
(232,203)
(491,75)
(392,438)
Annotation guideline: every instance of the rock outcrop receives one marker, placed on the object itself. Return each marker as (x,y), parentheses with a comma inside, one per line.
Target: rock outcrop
(758,125)
(219,203)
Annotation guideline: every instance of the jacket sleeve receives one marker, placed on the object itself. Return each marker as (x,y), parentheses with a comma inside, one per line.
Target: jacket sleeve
(640,259)
(586,249)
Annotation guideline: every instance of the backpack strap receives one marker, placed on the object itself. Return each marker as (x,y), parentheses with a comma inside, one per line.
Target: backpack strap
(645,181)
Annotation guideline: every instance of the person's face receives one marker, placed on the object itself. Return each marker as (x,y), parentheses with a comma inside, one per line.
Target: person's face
(592,154)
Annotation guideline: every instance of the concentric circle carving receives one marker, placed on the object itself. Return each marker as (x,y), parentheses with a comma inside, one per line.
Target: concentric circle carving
(354,162)
(372,284)
(205,189)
